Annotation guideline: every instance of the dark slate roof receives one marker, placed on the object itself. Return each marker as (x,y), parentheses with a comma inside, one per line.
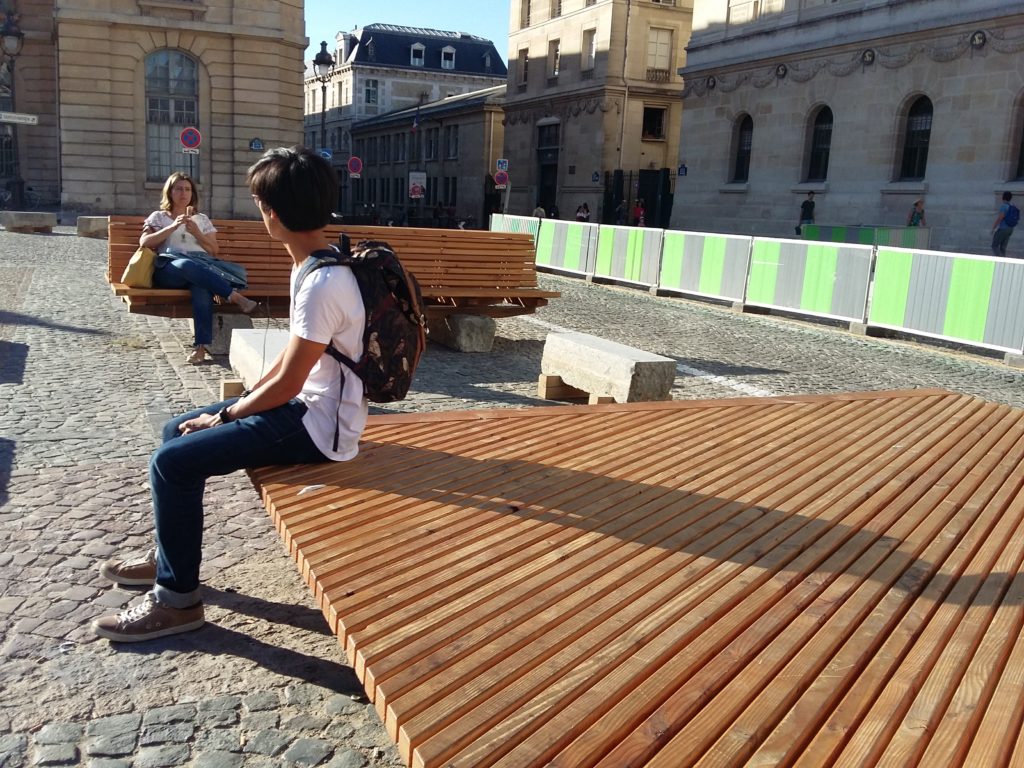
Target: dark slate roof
(389,45)
(433,109)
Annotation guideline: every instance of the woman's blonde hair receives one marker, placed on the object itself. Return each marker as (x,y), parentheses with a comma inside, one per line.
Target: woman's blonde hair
(174,178)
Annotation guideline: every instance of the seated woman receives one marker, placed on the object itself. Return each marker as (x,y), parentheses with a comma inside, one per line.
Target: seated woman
(185,243)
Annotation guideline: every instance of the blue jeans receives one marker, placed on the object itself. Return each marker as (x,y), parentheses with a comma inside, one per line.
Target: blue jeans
(182,272)
(999,240)
(178,471)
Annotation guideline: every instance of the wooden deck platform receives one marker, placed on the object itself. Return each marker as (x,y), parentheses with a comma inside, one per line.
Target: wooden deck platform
(827,581)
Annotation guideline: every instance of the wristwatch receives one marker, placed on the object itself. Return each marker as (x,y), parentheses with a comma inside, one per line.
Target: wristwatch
(224,416)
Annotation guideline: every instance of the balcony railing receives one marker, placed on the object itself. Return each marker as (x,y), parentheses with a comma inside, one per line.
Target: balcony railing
(655,75)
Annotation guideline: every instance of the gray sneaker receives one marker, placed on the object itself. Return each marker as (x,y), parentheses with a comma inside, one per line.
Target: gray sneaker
(149,620)
(139,571)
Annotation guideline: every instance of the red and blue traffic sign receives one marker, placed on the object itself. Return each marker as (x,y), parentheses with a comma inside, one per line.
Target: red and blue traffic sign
(191,138)
(355,165)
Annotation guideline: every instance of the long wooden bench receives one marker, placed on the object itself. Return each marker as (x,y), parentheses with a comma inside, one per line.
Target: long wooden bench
(460,271)
(805,580)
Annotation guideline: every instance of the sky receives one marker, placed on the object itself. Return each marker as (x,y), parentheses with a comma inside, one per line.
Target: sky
(484,18)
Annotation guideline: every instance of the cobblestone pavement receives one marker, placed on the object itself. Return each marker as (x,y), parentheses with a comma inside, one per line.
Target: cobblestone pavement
(84,386)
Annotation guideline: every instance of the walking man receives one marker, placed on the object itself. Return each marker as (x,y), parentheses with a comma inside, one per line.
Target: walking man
(1006,220)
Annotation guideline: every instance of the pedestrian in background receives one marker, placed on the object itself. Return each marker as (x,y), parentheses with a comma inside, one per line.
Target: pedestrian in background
(916,216)
(639,213)
(1007,218)
(539,211)
(806,213)
(620,212)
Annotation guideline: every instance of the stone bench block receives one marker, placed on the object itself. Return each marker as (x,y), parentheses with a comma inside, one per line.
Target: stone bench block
(92,226)
(605,368)
(253,350)
(28,221)
(463,333)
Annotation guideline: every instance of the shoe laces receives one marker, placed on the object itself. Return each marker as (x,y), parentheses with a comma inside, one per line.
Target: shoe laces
(146,558)
(138,611)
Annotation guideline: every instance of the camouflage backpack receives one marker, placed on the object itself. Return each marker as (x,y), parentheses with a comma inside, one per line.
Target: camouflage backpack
(395,334)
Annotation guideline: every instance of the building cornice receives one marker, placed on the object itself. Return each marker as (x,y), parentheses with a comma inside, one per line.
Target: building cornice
(849,60)
(563,108)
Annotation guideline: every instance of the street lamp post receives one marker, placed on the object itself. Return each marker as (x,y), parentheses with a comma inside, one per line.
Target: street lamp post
(11,40)
(323,63)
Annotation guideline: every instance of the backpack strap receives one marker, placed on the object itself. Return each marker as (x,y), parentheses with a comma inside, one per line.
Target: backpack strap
(330,257)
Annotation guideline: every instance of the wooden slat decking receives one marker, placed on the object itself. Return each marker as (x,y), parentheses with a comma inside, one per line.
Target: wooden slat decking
(814,581)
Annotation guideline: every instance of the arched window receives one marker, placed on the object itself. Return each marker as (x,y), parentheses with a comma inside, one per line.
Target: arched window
(172,103)
(744,141)
(821,145)
(915,142)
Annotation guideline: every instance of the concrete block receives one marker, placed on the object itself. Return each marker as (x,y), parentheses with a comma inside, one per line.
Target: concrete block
(28,221)
(1014,360)
(253,350)
(606,369)
(223,326)
(463,333)
(93,226)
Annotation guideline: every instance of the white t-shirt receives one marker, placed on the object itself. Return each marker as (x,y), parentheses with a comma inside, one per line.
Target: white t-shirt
(328,307)
(180,239)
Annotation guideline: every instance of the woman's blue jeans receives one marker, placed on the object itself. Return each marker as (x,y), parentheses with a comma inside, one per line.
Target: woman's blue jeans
(178,471)
(182,272)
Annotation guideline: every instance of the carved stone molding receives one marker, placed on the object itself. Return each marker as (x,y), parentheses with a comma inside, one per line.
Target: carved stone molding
(892,56)
(563,110)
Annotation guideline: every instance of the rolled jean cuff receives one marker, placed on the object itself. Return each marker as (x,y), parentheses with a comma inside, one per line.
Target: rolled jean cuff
(174,599)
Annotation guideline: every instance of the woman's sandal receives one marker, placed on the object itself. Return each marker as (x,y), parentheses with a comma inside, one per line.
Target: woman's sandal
(197,356)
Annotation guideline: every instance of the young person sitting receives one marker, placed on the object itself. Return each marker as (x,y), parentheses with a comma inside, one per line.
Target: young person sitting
(297,413)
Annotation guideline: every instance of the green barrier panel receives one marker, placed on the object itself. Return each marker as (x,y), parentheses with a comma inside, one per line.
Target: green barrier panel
(503,223)
(964,298)
(812,278)
(890,287)
(545,244)
(900,237)
(629,254)
(566,246)
(704,264)
(764,269)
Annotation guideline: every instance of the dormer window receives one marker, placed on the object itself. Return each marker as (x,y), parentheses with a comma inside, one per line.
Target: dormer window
(487,62)
(447,57)
(417,54)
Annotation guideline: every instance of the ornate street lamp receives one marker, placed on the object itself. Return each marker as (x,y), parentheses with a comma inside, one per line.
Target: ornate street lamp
(323,63)
(11,40)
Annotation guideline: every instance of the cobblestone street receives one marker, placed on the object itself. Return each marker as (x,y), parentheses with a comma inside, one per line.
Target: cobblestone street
(84,388)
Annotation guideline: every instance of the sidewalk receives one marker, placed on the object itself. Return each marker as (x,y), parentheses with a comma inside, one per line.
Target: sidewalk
(85,386)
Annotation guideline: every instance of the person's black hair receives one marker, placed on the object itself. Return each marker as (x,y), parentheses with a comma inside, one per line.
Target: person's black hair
(298,185)
(1007,196)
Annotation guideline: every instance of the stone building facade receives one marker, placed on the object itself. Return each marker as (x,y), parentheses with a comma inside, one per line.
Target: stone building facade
(593,90)
(451,146)
(871,104)
(383,68)
(114,83)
